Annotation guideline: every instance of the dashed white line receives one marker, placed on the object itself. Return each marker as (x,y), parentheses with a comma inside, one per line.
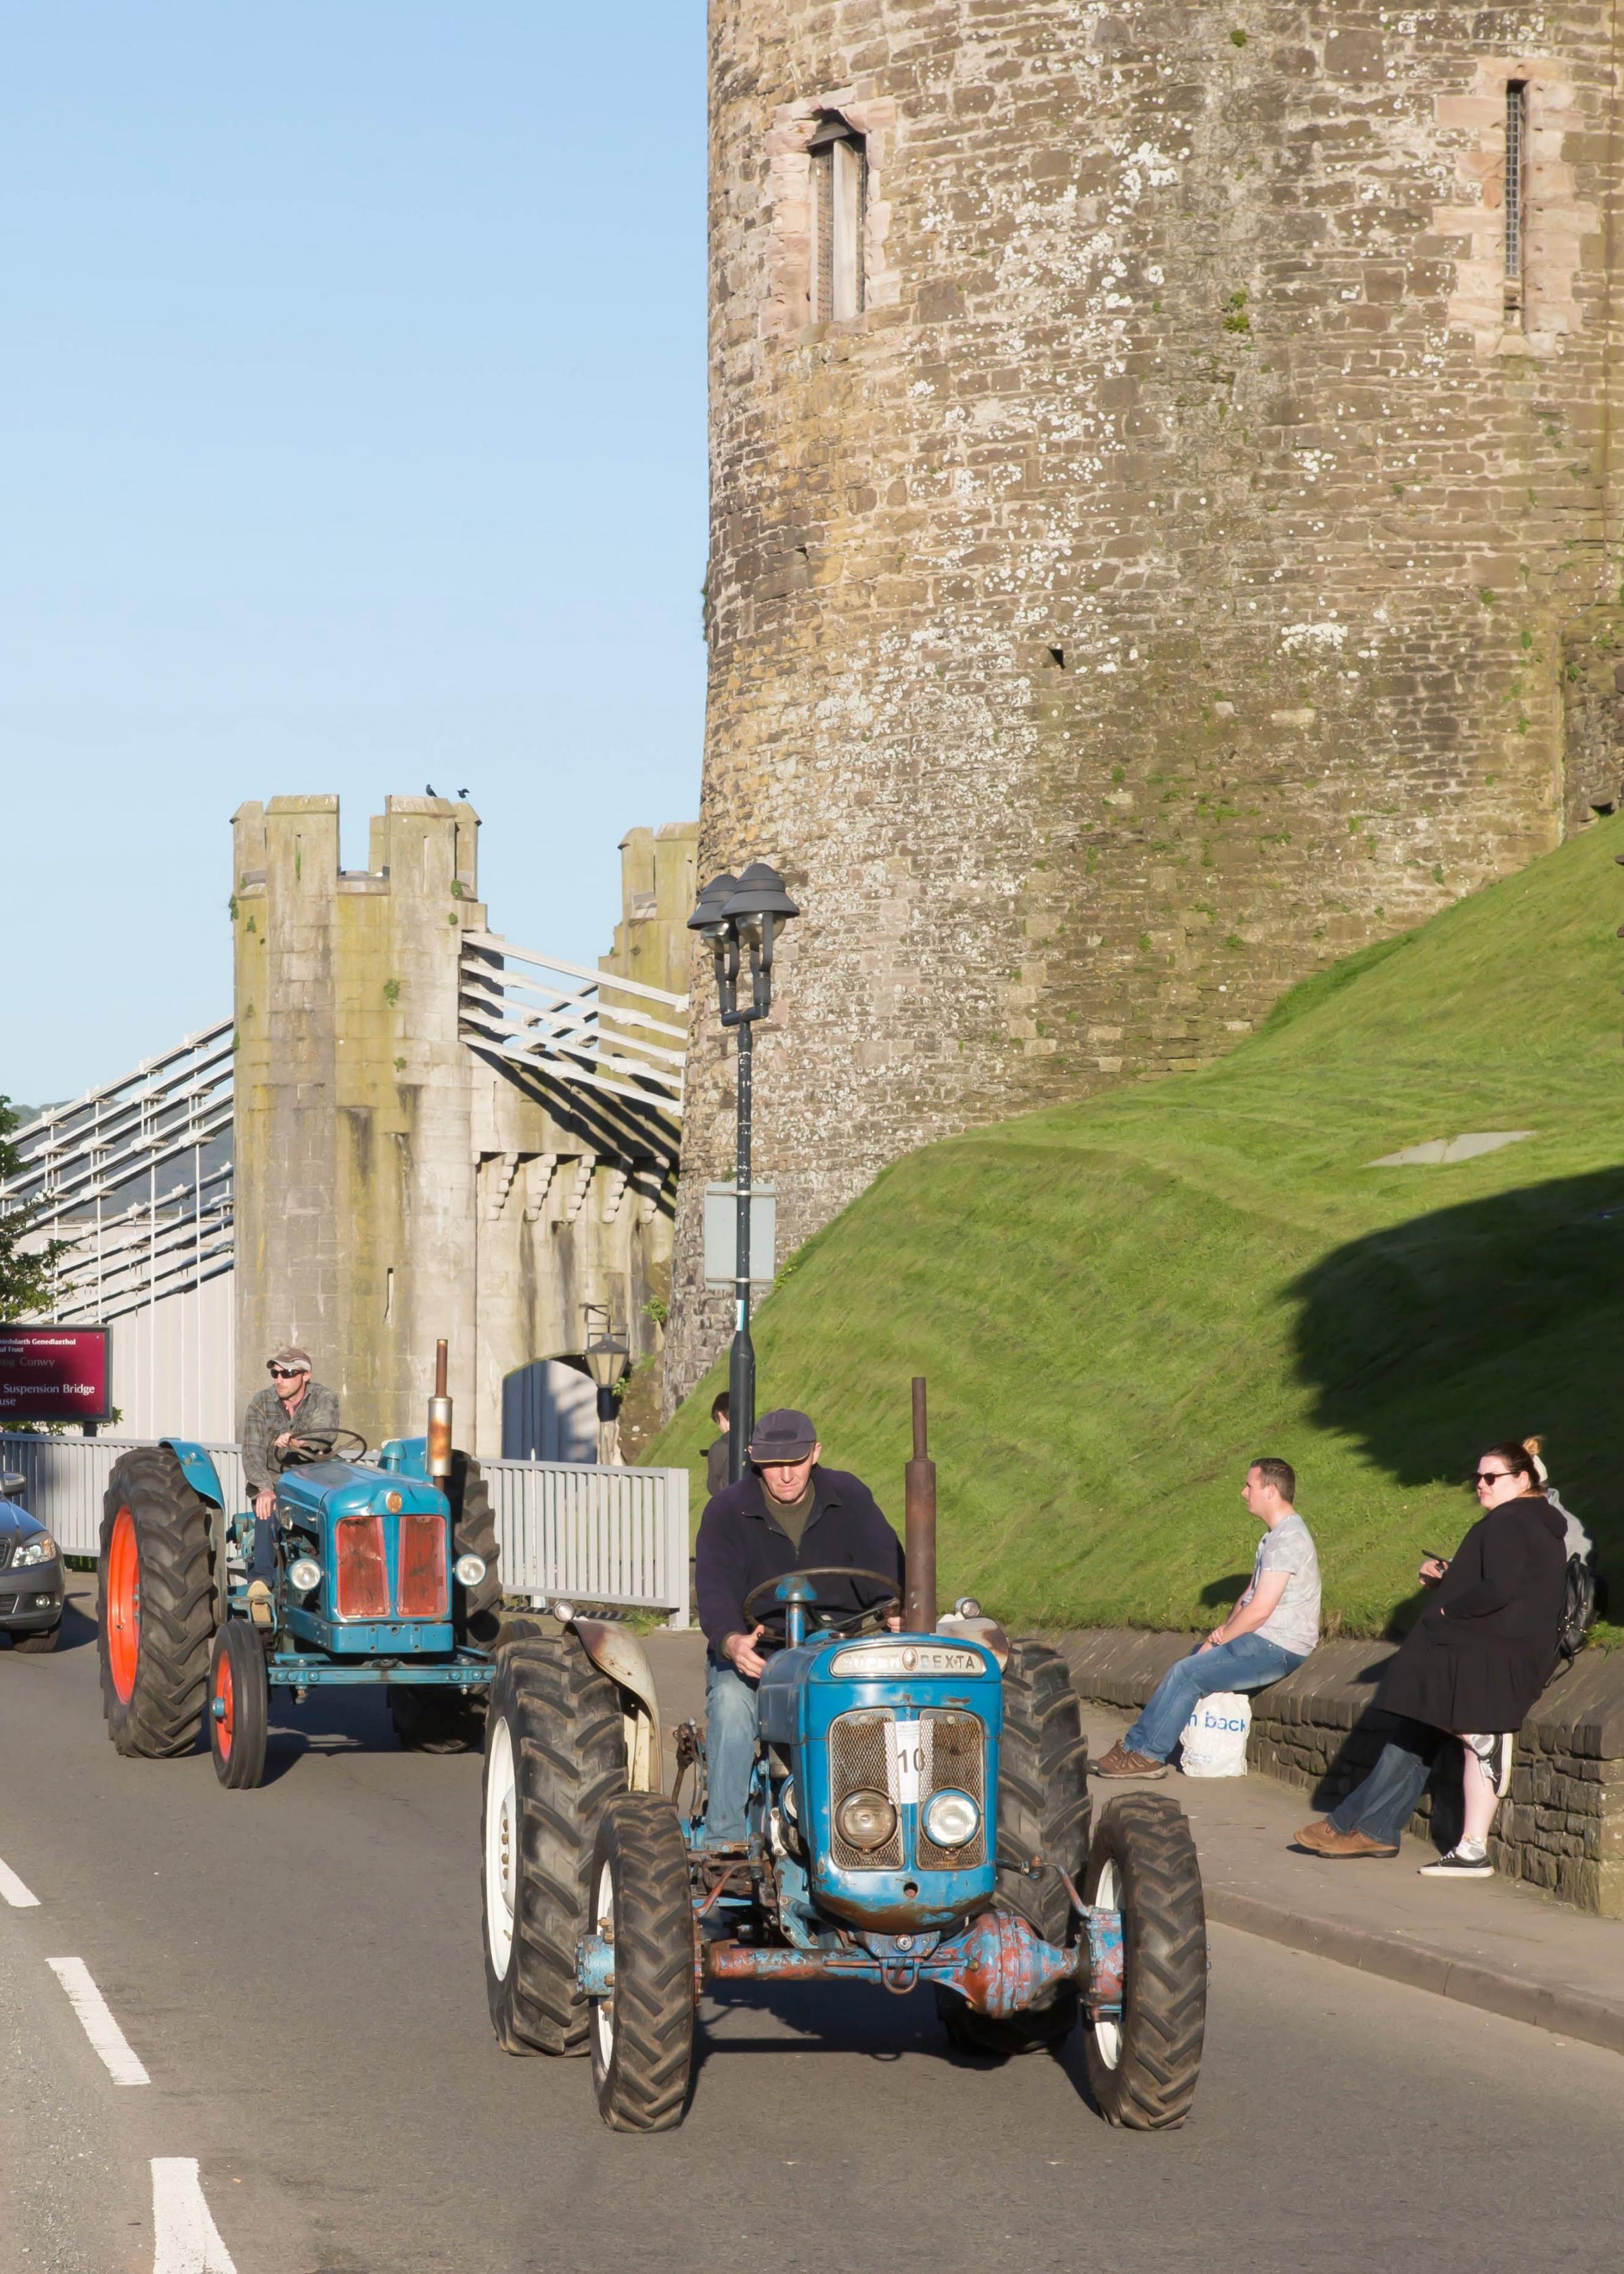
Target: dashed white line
(100,2027)
(185,2240)
(12,1888)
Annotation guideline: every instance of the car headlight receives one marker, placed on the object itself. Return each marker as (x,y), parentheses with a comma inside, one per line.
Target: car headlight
(470,1570)
(865,1819)
(41,1550)
(950,1819)
(305,1573)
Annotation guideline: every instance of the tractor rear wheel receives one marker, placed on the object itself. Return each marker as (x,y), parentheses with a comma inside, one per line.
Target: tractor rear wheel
(475,1610)
(431,1719)
(155,1605)
(1142,2068)
(239,1706)
(642,2032)
(554,1756)
(1042,1811)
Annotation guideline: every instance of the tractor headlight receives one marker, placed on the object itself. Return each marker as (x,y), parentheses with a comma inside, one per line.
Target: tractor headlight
(40,1550)
(950,1819)
(304,1574)
(865,1819)
(470,1571)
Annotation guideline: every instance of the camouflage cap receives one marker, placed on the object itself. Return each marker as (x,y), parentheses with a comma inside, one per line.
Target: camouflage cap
(290,1355)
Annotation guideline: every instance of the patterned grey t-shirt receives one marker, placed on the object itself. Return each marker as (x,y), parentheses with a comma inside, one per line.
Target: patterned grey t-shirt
(1294,1623)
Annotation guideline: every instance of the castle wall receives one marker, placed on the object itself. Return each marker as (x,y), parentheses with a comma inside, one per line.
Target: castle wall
(1186,568)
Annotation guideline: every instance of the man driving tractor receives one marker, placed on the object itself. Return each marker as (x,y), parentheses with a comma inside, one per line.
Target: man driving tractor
(786,1514)
(292,1413)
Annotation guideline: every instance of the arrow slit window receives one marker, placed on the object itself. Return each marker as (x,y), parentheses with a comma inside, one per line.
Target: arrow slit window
(838,186)
(1516,197)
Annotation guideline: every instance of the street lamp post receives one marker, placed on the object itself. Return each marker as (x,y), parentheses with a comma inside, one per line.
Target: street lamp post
(607,1350)
(739,916)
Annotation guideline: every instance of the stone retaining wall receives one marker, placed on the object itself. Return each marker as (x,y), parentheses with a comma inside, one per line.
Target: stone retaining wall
(1563,1824)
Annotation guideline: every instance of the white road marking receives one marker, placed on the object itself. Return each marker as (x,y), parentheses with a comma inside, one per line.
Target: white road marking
(100,2027)
(185,2240)
(12,1888)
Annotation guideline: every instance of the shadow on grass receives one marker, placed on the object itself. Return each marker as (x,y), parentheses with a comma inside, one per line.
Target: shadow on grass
(1501,1317)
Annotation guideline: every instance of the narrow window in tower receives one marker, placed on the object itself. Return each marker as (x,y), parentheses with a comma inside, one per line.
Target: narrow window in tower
(1516,195)
(839,172)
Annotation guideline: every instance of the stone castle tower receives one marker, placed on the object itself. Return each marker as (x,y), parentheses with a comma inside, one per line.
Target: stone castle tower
(1164,514)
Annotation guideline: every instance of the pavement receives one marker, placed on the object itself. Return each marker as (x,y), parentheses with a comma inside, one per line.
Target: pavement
(297,1974)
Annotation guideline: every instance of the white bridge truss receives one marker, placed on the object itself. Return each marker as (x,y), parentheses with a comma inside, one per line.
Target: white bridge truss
(135,1177)
(588,1027)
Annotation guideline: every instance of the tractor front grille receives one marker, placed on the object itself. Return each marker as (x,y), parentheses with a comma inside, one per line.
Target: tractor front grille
(955,1761)
(423,1591)
(360,1578)
(863,1758)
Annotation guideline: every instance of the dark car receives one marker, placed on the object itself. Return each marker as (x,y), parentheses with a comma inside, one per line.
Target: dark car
(30,1586)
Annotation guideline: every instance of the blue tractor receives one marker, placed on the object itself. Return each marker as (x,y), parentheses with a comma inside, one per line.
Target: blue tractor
(919,1814)
(385,1573)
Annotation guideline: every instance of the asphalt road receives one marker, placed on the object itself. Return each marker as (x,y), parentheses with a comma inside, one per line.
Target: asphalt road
(299,1972)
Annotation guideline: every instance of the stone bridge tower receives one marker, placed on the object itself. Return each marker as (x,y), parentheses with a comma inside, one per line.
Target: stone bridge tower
(1164,519)
(398,1179)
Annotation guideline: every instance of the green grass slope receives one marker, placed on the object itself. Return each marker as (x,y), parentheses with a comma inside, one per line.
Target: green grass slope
(1118,1303)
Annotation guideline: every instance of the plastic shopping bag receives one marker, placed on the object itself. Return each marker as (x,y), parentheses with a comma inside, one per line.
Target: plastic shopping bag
(1214,1737)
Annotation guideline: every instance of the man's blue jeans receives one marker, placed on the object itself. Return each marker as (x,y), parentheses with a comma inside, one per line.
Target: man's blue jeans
(730,1748)
(1246,1663)
(1384,1803)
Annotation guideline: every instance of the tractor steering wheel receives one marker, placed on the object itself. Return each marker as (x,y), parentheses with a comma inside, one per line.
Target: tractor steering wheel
(316,1445)
(763,1599)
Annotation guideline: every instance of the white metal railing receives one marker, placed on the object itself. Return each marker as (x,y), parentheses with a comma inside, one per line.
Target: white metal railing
(136,1178)
(541,1012)
(564,1528)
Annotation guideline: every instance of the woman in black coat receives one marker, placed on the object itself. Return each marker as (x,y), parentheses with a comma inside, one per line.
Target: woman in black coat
(1472,1667)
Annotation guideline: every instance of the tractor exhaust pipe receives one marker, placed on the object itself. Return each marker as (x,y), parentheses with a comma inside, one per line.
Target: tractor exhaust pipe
(919,1608)
(440,1419)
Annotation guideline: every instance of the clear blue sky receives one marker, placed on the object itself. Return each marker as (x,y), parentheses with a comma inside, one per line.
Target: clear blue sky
(351,437)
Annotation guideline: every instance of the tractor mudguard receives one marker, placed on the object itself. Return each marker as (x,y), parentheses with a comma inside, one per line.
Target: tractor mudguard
(197,1468)
(615,1651)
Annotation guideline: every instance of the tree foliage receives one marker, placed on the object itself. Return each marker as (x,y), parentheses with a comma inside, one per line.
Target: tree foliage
(25,1275)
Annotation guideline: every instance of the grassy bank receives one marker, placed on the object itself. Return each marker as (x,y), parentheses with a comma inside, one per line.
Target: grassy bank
(1116,1303)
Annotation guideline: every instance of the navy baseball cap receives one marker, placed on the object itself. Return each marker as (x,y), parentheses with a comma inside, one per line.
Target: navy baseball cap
(782,1435)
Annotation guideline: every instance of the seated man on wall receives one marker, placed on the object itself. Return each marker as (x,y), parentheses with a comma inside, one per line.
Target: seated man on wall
(1267,1636)
(278,1417)
(786,1514)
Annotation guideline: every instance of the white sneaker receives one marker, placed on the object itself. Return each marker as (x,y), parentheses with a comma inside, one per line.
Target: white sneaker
(1459,1864)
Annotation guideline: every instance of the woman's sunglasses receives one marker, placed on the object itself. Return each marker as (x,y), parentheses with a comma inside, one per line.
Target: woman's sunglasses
(1490,1476)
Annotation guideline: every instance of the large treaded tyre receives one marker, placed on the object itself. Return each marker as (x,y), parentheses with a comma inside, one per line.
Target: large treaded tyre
(475,1611)
(554,1756)
(1143,2070)
(1044,1810)
(643,2033)
(155,1605)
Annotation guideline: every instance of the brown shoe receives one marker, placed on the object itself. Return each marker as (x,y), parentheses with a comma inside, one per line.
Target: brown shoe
(1323,1839)
(1117,1763)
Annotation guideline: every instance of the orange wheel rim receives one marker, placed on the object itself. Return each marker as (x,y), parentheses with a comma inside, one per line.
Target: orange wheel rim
(225,1692)
(123,1604)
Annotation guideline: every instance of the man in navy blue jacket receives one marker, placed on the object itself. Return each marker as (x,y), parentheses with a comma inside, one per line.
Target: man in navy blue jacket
(786,1514)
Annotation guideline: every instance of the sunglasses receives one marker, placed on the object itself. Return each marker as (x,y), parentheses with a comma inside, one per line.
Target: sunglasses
(1490,1476)
(287,1373)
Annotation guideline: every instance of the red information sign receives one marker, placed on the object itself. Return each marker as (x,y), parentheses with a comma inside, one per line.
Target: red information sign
(54,1373)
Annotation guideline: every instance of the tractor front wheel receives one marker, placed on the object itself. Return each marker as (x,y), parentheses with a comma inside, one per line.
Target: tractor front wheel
(1143,2064)
(642,2032)
(554,1756)
(155,1605)
(239,1706)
